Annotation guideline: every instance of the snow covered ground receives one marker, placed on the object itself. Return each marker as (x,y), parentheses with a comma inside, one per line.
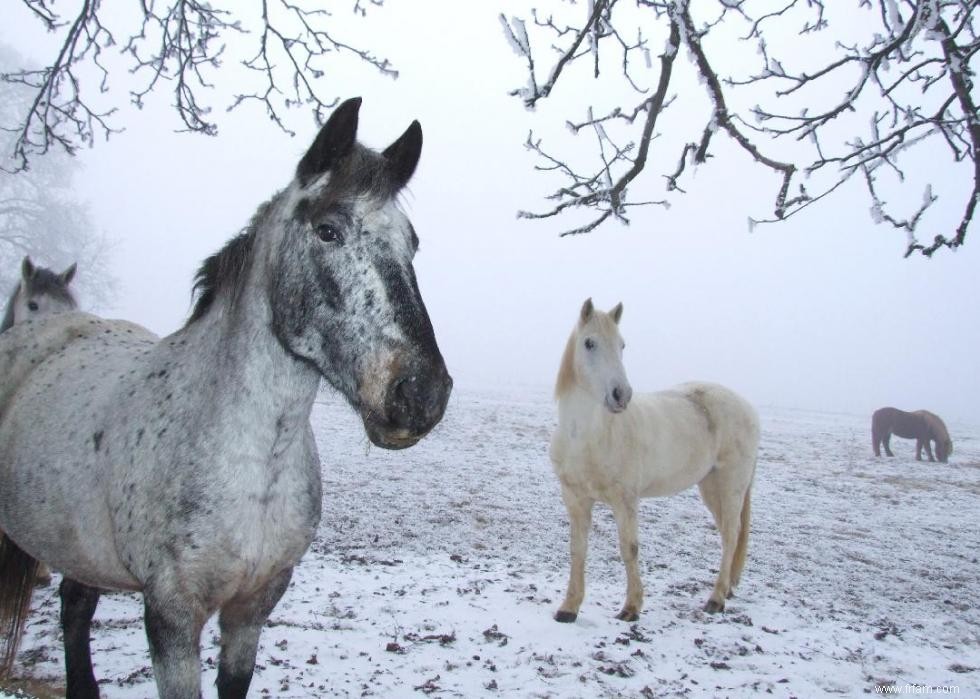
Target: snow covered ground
(437,570)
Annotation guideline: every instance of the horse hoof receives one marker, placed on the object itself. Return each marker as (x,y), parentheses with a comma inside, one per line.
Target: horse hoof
(713,607)
(566,617)
(628,615)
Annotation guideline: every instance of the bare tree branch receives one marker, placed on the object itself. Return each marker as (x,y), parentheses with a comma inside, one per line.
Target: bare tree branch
(907,80)
(177,45)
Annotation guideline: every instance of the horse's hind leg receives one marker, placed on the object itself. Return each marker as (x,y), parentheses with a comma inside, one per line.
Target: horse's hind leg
(241,622)
(625,514)
(725,503)
(173,629)
(580,518)
(78,603)
(886,442)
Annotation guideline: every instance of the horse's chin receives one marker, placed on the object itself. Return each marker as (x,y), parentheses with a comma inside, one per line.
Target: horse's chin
(393,439)
(615,408)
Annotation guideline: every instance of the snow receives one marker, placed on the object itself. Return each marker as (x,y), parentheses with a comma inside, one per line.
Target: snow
(436,570)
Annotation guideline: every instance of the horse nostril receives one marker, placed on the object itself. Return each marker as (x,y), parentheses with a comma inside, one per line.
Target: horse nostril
(618,395)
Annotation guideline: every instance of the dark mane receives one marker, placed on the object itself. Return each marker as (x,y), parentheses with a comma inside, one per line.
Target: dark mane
(8,316)
(224,268)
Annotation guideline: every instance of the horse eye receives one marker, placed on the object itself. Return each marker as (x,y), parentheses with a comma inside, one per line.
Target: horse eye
(32,305)
(328,233)
(589,343)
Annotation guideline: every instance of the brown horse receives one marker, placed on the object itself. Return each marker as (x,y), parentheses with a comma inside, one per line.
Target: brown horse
(922,426)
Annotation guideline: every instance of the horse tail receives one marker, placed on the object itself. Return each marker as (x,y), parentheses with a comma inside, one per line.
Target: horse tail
(742,547)
(18,571)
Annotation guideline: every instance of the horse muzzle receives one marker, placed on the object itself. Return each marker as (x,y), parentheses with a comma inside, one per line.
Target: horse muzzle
(414,403)
(618,398)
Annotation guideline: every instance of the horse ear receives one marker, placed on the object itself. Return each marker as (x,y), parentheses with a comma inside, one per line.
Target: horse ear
(334,141)
(68,274)
(27,268)
(403,155)
(587,310)
(617,312)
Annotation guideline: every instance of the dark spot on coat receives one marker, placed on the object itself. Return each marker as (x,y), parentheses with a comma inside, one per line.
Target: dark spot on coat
(97,440)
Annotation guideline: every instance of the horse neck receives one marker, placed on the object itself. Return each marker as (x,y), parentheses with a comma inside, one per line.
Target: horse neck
(579,414)
(246,359)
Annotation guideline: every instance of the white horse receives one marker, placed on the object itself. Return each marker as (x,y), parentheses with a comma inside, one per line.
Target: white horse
(613,448)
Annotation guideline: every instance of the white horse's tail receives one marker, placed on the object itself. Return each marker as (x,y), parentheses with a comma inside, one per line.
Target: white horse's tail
(742,547)
(18,572)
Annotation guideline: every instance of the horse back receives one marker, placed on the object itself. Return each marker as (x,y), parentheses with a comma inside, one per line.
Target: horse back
(898,422)
(729,419)
(56,379)
(27,346)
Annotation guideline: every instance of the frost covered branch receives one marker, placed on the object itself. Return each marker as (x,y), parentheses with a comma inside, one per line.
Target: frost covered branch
(888,86)
(177,46)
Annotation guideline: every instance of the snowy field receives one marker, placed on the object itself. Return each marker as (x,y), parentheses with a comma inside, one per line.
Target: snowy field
(437,570)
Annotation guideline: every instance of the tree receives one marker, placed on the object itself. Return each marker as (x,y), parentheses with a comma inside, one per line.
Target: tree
(873,91)
(178,45)
(40,217)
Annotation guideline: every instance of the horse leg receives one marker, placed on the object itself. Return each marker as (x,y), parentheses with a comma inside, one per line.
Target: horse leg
(725,504)
(173,629)
(78,603)
(241,622)
(927,443)
(886,442)
(629,547)
(580,518)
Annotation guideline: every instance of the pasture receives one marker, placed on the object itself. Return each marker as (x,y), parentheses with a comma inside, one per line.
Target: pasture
(436,571)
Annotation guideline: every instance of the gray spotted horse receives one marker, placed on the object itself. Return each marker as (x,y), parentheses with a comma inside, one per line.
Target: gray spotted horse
(185,468)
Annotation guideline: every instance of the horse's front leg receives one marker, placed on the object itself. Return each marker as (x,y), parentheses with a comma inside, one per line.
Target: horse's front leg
(173,628)
(241,623)
(928,445)
(78,603)
(580,518)
(629,548)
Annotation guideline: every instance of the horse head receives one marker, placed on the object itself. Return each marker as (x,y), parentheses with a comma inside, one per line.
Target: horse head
(594,358)
(42,292)
(344,295)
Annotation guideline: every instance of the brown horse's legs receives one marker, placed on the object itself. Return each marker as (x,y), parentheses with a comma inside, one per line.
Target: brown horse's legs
(887,443)
(928,445)
(580,518)
(629,547)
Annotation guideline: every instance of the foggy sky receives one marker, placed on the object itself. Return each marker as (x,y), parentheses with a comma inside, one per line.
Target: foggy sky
(817,312)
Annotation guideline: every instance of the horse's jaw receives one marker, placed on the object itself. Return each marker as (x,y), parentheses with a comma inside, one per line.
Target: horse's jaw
(391,439)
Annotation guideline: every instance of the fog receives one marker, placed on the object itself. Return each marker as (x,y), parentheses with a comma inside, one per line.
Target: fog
(820,311)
